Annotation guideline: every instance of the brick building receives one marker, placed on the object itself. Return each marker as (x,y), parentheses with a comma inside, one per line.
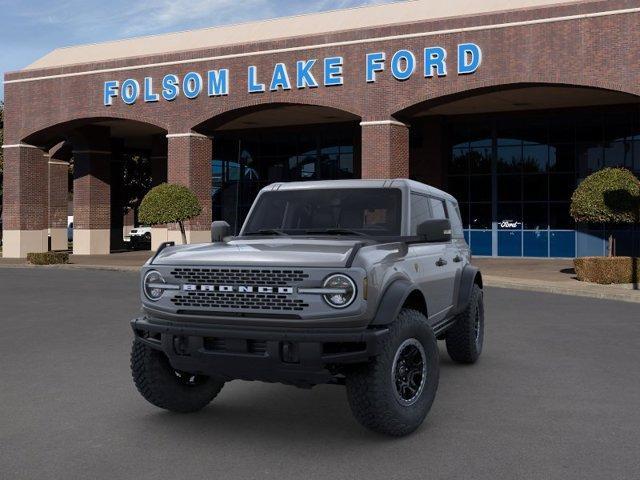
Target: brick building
(507,104)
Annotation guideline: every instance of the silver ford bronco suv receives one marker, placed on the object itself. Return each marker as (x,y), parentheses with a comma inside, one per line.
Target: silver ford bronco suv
(344,282)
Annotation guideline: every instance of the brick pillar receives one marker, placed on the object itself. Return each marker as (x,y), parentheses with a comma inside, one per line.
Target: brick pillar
(158,158)
(92,192)
(58,196)
(25,201)
(189,164)
(385,149)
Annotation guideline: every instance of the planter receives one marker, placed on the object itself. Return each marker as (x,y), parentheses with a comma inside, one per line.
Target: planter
(608,270)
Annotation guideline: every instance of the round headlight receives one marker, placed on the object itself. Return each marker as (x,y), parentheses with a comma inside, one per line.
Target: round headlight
(152,285)
(341,291)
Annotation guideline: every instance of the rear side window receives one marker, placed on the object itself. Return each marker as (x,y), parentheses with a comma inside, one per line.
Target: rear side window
(456,221)
(438,208)
(420,211)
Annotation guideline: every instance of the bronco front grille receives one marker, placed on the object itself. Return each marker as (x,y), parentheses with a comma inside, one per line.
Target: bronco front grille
(238,276)
(238,301)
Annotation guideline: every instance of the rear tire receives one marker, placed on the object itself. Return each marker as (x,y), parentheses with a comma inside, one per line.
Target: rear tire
(161,385)
(465,338)
(393,393)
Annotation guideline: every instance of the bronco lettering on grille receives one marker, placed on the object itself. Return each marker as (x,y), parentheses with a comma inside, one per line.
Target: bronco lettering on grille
(237,288)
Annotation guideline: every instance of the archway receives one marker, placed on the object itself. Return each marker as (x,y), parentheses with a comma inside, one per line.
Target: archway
(113,162)
(262,144)
(513,155)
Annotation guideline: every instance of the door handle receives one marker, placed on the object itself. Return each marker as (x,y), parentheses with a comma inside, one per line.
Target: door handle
(441,262)
(457,259)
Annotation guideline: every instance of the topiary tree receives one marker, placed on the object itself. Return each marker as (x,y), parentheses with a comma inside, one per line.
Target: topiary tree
(169,203)
(611,195)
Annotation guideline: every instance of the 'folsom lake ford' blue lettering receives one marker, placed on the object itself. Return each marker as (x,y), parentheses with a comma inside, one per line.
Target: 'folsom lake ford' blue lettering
(311,73)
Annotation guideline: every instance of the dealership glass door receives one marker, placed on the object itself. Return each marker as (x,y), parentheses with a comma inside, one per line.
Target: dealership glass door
(248,160)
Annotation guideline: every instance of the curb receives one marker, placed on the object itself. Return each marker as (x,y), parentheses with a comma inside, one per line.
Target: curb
(631,296)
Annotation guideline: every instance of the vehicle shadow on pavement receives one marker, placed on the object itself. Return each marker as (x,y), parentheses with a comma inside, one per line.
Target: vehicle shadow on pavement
(246,409)
(270,411)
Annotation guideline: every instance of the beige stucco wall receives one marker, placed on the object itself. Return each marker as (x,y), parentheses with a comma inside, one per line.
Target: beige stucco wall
(58,239)
(17,243)
(91,242)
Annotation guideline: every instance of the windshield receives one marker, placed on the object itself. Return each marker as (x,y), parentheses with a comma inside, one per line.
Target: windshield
(340,211)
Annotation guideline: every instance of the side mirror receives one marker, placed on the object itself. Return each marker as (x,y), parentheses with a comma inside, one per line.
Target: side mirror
(219,230)
(435,230)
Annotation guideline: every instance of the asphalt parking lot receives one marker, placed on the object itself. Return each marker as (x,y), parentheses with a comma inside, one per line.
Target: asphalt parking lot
(555,395)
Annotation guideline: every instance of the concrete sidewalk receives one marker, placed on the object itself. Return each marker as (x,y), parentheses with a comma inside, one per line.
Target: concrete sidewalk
(539,275)
(121,261)
(551,276)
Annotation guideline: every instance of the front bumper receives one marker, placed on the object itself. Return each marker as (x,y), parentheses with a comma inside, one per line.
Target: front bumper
(303,358)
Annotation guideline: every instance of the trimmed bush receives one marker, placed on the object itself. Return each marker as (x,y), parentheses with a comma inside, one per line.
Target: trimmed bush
(607,270)
(169,203)
(611,195)
(48,258)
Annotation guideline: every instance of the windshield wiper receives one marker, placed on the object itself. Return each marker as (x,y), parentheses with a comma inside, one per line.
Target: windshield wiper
(337,231)
(268,231)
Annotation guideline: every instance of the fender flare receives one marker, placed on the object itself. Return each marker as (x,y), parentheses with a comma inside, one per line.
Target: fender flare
(470,276)
(392,300)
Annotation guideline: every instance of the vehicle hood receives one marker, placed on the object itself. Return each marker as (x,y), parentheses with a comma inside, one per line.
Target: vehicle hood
(282,252)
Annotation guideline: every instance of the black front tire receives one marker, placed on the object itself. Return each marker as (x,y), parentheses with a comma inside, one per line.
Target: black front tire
(374,389)
(465,338)
(161,385)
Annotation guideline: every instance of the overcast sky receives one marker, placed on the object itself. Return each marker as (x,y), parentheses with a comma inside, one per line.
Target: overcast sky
(30,29)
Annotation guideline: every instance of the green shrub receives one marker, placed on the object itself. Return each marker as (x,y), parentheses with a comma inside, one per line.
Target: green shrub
(169,203)
(607,270)
(611,195)
(48,258)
